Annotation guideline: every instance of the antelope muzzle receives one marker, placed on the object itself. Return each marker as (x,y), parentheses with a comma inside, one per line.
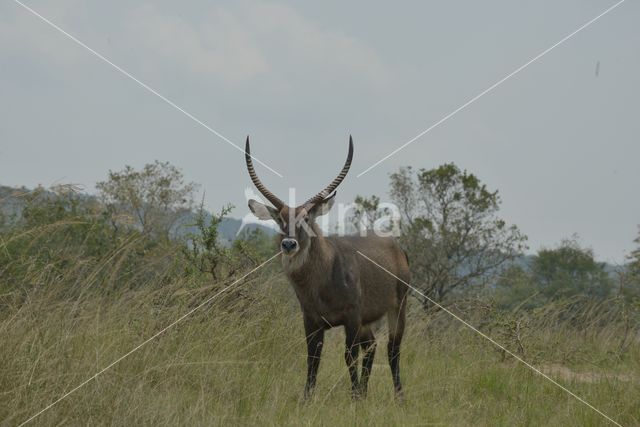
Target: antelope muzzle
(289,246)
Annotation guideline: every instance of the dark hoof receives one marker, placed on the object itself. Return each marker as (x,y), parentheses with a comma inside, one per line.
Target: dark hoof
(362,392)
(356,394)
(307,395)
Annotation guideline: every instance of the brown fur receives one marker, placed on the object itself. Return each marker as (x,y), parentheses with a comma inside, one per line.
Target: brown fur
(335,285)
(338,287)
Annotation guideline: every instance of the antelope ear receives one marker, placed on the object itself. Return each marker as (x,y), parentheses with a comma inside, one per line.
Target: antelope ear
(262,211)
(323,207)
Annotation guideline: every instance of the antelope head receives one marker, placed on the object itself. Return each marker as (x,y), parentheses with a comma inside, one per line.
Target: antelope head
(297,224)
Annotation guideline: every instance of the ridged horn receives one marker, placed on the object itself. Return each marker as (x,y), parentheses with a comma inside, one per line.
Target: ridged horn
(277,203)
(334,184)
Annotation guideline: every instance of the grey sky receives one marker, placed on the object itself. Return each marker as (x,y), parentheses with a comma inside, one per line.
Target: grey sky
(560,143)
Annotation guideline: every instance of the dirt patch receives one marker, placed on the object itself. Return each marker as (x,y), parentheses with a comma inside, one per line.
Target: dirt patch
(567,374)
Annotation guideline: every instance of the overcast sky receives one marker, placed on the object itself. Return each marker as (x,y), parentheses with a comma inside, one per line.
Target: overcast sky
(558,140)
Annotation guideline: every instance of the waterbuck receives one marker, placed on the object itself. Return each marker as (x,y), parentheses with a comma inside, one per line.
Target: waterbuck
(334,284)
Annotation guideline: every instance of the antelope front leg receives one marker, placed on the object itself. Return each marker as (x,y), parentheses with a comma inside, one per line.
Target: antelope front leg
(315,338)
(368,346)
(351,355)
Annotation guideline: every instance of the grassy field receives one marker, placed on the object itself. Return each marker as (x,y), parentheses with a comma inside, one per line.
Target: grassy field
(241,361)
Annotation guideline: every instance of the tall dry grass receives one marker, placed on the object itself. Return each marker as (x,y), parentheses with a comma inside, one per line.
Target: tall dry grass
(241,360)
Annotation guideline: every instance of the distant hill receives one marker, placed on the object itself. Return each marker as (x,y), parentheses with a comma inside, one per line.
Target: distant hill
(228,228)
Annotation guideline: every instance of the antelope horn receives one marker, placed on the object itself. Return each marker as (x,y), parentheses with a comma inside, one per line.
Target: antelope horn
(334,184)
(277,203)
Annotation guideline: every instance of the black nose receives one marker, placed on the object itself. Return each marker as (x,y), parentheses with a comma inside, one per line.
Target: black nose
(289,244)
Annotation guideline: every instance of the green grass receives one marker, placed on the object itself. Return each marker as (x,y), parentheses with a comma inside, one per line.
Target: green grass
(241,361)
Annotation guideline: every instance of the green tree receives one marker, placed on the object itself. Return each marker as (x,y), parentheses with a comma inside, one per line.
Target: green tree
(629,276)
(451,229)
(153,200)
(516,288)
(634,259)
(53,229)
(570,270)
(369,214)
(208,253)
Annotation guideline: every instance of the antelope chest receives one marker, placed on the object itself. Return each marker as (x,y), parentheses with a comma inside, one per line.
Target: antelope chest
(328,304)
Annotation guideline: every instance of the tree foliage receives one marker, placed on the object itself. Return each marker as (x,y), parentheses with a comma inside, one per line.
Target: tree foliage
(516,287)
(152,200)
(206,252)
(634,259)
(132,225)
(368,214)
(451,229)
(629,277)
(570,270)
(558,274)
(61,231)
